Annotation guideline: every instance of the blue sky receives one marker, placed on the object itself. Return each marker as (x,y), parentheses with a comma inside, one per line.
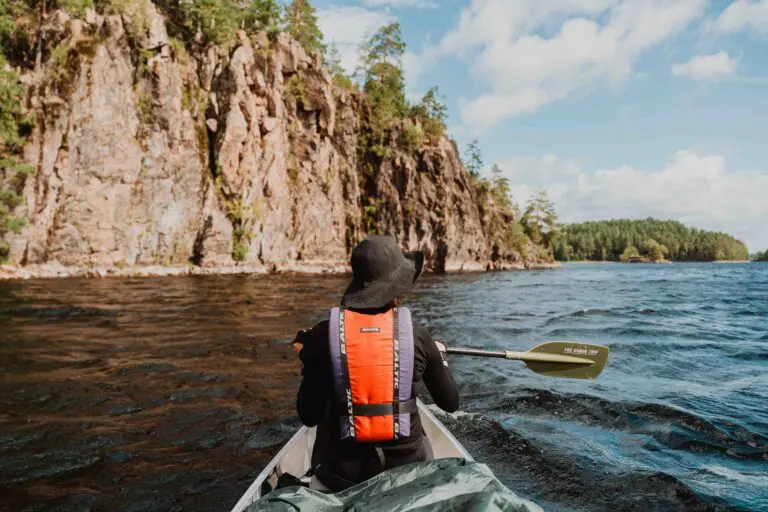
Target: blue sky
(619,108)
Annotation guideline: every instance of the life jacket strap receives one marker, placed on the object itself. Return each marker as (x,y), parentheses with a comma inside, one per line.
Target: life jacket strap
(388,409)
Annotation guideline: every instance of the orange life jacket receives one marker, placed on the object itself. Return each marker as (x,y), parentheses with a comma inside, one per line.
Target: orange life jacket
(372,363)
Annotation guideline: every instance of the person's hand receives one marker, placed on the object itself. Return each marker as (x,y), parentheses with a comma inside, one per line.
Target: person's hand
(298,343)
(443,351)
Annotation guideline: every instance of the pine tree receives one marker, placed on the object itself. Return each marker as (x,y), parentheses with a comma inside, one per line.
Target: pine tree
(432,113)
(262,15)
(384,83)
(332,59)
(474,160)
(540,219)
(301,23)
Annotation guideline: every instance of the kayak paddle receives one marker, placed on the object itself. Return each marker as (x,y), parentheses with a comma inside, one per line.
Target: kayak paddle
(553,359)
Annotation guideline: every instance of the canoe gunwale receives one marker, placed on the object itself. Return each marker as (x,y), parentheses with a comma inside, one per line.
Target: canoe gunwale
(444,444)
(254,490)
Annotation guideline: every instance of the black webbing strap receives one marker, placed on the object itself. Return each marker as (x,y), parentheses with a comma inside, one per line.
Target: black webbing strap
(407,407)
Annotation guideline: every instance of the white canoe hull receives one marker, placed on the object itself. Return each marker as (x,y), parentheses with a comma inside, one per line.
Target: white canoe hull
(295,457)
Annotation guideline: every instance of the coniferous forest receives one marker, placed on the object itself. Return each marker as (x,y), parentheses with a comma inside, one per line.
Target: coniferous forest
(651,239)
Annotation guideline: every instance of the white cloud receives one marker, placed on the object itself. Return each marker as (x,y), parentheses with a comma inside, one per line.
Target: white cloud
(704,67)
(348,26)
(402,3)
(531,54)
(742,14)
(696,189)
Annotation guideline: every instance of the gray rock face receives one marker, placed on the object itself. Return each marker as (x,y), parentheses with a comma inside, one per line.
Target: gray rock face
(163,159)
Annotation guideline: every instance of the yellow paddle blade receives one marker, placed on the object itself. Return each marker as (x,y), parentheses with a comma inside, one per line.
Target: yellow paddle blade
(555,367)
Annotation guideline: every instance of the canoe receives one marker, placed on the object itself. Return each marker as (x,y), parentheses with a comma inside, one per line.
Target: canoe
(294,458)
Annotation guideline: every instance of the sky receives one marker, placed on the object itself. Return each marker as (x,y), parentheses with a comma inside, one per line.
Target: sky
(617,108)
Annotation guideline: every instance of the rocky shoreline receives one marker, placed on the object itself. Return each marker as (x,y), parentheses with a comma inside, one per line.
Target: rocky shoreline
(53,271)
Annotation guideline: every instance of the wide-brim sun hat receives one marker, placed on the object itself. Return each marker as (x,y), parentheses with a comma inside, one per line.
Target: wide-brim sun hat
(381,272)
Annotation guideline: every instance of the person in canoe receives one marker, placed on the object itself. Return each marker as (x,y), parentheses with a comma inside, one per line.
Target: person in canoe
(360,367)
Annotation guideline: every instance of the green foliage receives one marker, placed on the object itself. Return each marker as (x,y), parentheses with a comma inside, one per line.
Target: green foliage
(144,104)
(296,89)
(177,46)
(332,62)
(386,45)
(650,238)
(630,252)
(411,138)
(432,113)
(369,217)
(500,189)
(474,159)
(345,82)
(760,256)
(503,225)
(16,40)
(77,7)
(242,217)
(14,127)
(142,88)
(137,24)
(261,15)
(14,124)
(384,84)
(301,24)
(7,25)
(58,61)
(539,219)
(385,89)
(332,59)
(516,239)
(653,250)
(219,20)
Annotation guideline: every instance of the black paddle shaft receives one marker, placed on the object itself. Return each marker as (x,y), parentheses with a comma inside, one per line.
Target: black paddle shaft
(476,352)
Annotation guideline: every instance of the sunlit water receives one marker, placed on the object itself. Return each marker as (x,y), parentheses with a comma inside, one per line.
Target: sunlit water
(172,394)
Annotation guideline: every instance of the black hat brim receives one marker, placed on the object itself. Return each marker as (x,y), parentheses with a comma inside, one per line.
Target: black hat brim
(381,292)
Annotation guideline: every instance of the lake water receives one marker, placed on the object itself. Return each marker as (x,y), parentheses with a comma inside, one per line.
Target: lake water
(172,394)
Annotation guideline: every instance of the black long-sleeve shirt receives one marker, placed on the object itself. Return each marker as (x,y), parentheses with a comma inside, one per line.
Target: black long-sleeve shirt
(316,392)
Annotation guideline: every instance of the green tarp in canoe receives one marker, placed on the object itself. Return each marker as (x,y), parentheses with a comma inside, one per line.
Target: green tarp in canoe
(444,484)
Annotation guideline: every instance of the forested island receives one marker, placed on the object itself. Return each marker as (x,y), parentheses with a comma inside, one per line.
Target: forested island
(644,240)
(760,256)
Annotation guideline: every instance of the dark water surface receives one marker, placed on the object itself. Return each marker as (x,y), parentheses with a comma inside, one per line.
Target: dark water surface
(172,394)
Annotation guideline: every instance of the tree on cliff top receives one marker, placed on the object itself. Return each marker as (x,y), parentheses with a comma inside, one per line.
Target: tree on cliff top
(262,15)
(332,62)
(384,84)
(301,24)
(432,113)
(473,161)
(540,219)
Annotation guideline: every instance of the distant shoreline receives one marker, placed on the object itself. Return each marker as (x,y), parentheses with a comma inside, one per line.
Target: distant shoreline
(604,262)
(54,271)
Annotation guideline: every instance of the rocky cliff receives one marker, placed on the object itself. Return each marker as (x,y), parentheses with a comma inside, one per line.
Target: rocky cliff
(149,155)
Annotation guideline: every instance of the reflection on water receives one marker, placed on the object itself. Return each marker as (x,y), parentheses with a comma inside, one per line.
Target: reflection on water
(172,394)
(155,394)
